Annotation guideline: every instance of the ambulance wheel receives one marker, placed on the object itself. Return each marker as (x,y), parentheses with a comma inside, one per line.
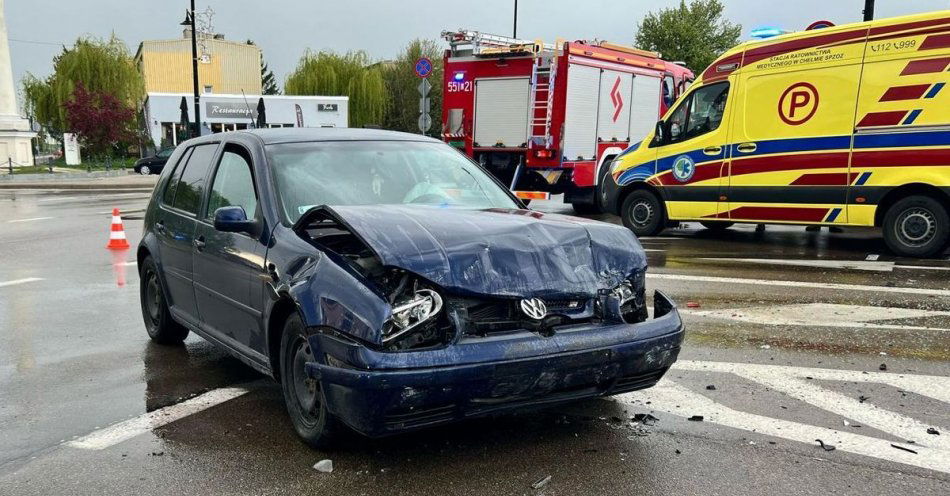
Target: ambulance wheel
(917,226)
(642,213)
(717,225)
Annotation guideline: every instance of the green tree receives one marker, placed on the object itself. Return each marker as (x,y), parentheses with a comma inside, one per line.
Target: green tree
(402,85)
(100,66)
(695,33)
(268,80)
(351,75)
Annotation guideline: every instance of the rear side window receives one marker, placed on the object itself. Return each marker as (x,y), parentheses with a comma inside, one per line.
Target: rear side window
(168,197)
(191,186)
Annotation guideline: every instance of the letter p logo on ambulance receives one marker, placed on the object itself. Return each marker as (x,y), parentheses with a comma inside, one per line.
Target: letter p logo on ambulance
(798,104)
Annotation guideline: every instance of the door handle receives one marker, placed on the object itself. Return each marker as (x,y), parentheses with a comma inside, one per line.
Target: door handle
(200,243)
(746,147)
(712,150)
(160,227)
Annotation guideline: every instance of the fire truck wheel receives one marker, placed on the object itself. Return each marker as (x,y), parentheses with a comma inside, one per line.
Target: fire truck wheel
(717,225)
(917,226)
(642,213)
(585,208)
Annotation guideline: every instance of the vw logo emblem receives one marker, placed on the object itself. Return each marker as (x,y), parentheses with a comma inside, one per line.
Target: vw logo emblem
(534,308)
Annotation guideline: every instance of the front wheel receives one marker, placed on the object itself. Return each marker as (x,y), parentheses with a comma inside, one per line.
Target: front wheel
(303,396)
(145,170)
(642,213)
(917,226)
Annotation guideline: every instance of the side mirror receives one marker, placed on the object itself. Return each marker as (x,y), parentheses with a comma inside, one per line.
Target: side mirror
(660,133)
(232,219)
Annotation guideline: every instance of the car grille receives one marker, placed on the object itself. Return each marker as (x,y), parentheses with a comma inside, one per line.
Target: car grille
(480,317)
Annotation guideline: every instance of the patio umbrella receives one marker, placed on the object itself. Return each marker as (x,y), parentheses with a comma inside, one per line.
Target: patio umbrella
(185,123)
(261,114)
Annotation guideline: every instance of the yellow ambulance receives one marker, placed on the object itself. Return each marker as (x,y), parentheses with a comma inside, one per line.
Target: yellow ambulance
(841,126)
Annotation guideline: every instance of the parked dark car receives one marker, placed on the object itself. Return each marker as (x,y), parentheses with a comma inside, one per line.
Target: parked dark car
(153,164)
(390,283)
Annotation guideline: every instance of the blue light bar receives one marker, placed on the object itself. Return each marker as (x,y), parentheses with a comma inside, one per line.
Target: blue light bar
(766,32)
(459,76)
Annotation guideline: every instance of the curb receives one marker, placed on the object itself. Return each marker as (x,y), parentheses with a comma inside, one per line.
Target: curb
(70,176)
(86,185)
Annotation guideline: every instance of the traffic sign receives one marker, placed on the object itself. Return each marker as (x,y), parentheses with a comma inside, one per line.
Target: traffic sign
(425,122)
(424,88)
(423,67)
(425,105)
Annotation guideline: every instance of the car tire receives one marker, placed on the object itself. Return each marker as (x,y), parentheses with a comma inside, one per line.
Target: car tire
(600,191)
(717,225)
(642,212)
(585,208)
(145,170)
(159,324)
(917,226)
(303,396)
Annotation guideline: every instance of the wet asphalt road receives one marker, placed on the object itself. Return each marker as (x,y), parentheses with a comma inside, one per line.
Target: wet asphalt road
(791,328)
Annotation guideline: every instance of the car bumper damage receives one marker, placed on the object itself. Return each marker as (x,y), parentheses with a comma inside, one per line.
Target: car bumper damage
(380,392)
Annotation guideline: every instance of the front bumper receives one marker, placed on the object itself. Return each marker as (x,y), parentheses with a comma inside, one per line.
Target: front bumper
(613,195)
(378,393)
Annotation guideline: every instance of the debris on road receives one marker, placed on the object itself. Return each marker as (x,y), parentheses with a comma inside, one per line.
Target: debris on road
(825,446)
(696,418)
(538,484)
(711,387)
(692,304)
(863,398)
(903,448)
(931,430)
(644,418)
(325,466)
(883,367)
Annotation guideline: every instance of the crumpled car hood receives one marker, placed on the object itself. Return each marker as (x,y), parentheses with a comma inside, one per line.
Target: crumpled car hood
(497,252)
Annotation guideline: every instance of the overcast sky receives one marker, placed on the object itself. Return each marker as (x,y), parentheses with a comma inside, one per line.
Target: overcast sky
(284,28)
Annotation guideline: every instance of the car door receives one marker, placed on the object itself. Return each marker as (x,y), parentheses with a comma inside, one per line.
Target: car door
(692,164)
(175,225)
(229,266)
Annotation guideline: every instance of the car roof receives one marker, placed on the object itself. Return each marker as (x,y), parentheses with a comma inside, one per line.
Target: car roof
(303,134)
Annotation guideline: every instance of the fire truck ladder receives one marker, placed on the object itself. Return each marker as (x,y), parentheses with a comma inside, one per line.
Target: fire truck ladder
(485,44)
(543,75)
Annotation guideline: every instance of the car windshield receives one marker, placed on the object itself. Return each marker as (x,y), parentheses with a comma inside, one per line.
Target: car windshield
(379,173)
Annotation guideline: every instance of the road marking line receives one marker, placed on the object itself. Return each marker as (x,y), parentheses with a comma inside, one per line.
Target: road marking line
(834,315)
(801,284)
(19,281)
(128,264)
(28,220)
(822,264)
(128,429)
(932,386)
(672,398)
(56,198)
(648,250)
(918,267)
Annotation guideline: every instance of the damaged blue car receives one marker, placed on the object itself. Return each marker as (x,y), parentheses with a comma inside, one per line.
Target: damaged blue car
(389,283)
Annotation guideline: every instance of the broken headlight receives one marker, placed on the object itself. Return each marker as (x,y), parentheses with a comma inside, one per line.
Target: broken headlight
(411,313)
(628,299)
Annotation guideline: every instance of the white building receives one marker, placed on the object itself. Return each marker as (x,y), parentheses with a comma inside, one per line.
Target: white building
(232,112)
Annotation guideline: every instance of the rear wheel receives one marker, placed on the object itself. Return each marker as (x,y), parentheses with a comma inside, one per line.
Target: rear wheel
(603,175)
(917,226)
(642,213)
(302,394)
(717,225)
(158,320)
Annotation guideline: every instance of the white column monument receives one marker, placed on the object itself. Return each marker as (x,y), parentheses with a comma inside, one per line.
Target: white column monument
(15,132)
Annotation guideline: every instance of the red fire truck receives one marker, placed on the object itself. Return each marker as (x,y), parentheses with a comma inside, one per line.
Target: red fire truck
(549,118)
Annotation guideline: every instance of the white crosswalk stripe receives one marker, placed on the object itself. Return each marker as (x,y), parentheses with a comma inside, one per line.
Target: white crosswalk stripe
(933,451)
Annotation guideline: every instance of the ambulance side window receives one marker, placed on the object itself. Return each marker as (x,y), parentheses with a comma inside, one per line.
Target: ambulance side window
(700,113)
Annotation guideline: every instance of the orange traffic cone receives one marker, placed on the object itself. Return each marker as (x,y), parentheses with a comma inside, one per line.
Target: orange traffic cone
(117,239)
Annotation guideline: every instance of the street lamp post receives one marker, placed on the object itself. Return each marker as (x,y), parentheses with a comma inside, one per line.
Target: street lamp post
(514,30)
(190,21)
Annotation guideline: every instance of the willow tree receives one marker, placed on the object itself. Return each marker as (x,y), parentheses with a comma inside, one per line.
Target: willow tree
(351,75)
(100,66)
